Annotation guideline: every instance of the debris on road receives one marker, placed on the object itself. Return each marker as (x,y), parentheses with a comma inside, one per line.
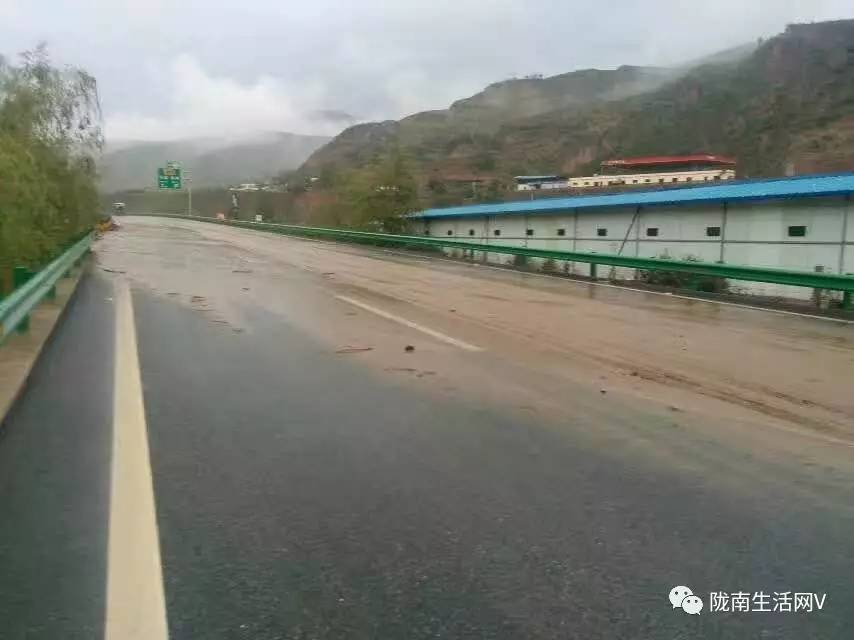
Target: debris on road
(409,348)
(349,349)
(418,374)
(241,270)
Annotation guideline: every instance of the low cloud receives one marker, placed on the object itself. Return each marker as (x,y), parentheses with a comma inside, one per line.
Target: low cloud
(203,104)
(212,68)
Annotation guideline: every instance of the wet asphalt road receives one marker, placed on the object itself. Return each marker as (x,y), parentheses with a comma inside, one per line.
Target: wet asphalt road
(300,498)
(301,495)
(55,480)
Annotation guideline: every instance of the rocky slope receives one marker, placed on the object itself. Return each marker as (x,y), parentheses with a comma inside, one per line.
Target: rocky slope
(786,105)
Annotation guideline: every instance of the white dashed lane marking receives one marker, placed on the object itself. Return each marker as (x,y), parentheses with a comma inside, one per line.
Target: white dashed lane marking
(412,325)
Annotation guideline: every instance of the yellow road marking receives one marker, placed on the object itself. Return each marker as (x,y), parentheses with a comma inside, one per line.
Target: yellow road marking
(136,608)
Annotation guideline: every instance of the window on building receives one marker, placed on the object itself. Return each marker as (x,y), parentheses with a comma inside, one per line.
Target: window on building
(713,232)
(471,232)
(652,231)
(797,231)
(497,232)
(648,180)
(561,232)
(601,231)
(450,232)
(529,232)
(675,180)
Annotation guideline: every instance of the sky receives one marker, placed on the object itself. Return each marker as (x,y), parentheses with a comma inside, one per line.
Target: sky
(172,69)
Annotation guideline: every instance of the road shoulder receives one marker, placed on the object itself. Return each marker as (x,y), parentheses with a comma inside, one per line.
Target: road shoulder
(19,354)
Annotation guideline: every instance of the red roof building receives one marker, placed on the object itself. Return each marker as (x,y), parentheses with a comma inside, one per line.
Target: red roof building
(694,162)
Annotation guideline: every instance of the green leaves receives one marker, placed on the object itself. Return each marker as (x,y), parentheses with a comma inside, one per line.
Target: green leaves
(378,196)
(49,132)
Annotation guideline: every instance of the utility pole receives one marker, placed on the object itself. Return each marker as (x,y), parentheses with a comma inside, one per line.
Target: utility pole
(189,194)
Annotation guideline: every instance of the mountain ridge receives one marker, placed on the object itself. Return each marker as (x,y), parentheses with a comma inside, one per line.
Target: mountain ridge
(784,104)
(211,162)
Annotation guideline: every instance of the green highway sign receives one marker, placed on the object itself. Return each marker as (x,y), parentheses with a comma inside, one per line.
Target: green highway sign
(169,177)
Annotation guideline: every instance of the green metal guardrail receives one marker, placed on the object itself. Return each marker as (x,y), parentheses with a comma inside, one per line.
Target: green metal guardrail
(15,309)
(829,281)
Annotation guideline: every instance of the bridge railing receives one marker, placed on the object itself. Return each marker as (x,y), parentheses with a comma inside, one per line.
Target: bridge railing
(826,281)
(32,288)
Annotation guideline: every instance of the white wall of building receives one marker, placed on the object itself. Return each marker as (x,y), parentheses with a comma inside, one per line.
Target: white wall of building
(651,179)
(755,234)
(545,185)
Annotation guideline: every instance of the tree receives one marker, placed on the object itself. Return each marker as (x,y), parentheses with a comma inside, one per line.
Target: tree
(380,195)
(49,135)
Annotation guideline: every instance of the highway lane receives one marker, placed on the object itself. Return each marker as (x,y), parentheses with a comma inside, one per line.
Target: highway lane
(313,478)
(55,479)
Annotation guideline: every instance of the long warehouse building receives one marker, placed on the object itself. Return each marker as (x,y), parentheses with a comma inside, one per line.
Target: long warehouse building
(804,223)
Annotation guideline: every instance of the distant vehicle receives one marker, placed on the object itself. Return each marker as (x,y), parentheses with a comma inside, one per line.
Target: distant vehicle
(118,208)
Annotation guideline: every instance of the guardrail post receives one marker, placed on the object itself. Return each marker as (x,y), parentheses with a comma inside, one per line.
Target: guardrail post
(593,266)
(20,275)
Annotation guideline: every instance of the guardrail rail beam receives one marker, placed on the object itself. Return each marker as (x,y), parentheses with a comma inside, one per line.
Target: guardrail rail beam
(31,288)
(830,281)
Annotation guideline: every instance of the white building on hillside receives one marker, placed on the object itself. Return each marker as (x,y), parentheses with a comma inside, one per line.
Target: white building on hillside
(535,183)
(659,170)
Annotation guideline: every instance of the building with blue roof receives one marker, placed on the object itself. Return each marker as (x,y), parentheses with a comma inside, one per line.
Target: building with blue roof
(803,222)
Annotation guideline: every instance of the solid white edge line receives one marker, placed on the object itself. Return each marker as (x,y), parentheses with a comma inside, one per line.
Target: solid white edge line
(136,608)
(412,325)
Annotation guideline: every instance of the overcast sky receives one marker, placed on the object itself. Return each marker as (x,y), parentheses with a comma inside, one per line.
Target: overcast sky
(170,69)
